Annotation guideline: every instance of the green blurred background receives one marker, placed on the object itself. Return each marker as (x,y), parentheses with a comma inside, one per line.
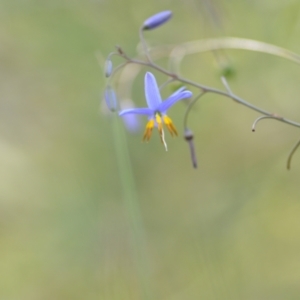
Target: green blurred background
(228,230)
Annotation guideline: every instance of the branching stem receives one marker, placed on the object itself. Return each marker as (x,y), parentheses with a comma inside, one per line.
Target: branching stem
(207,89)
(209,45)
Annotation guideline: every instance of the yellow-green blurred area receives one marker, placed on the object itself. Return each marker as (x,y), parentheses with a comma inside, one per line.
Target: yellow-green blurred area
(228,230)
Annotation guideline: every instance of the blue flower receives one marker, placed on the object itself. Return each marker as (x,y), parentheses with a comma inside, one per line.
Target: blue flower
(157,109)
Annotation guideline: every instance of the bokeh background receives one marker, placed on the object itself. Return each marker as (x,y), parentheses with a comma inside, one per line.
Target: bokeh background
(228,230)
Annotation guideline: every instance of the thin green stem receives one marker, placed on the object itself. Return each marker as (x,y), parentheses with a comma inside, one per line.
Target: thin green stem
(132,206)
(166,83)
(226,85)
(144,44)
(288,165)
(118,68)
(178,52)
(262,118)
(191,104)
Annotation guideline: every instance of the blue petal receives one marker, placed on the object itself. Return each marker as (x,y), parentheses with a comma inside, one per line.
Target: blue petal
(152,92)
(165,105)
(132,123)
(139,111)
(178,91)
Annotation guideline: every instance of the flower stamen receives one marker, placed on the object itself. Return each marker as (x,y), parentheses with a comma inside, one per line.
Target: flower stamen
(168,122)
(148,131)
(159,123)
(162,137)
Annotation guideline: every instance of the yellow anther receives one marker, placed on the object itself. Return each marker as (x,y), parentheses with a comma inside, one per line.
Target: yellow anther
(159,120)
(170,125)
(148,131)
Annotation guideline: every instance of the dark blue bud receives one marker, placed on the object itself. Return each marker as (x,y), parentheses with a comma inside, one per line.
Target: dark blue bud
(108,67)
(110,99)
(157,20)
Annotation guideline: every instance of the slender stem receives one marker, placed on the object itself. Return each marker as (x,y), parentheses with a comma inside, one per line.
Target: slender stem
(132,206)
(288,165)
(118,68)
(191,104)
(262,118)
(178,52)
(112,54)
(144,44)
(208,89)
(226,85)
(193,154)
(166,83)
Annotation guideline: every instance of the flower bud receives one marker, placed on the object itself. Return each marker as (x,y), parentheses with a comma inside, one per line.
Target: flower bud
(108,67)
(110,98)
(157,20)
